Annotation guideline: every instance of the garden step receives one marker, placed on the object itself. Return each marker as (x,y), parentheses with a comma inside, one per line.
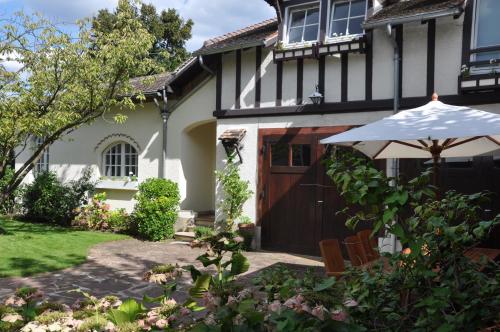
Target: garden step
(205,220)
(184,236)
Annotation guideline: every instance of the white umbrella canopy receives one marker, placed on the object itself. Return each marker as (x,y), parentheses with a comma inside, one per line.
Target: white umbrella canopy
(433,130)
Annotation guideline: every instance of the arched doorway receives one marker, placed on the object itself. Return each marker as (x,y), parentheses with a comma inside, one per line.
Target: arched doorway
(198,165)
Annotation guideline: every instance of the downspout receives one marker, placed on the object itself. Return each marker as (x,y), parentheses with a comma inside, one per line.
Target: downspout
(396,60)
(165,115)
(204,66)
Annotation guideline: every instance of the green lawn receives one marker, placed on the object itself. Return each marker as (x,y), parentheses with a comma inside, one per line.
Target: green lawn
(30,248)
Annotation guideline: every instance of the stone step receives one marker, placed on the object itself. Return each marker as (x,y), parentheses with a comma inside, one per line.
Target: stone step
(205,220)
(184,236)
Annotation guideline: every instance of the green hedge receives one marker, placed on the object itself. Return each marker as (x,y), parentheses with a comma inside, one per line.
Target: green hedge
(156,210)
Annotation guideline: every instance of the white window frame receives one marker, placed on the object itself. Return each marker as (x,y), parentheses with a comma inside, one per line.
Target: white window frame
(42,164)
(331,10)
(485,69)
(122,167)
(288,23)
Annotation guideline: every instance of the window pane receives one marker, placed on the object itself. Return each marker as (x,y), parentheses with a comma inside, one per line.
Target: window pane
(298,18)
(358,8)
(301,155)
(279,154)
(488,24)
(295,35)
(486,56)
(338,28)
(355,26)
(311,32)
(341,10)
(312,16)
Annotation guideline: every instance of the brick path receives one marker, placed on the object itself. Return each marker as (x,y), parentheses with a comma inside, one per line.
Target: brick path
(117,268)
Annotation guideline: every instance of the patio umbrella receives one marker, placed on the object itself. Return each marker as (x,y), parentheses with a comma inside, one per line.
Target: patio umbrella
(435,130)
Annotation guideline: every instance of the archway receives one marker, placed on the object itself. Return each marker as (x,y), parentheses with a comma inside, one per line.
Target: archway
(198,164)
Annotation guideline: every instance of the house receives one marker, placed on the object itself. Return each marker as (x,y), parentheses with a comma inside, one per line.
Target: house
(250,89)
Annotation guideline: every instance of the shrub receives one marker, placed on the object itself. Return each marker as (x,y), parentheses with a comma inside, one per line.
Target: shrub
(46,199)
(236,193)
(11,204)
(120,221)
(156,210)
(203,231)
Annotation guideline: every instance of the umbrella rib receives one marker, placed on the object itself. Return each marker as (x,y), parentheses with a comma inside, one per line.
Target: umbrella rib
(410,145)
(381,150)
(423,143)
(462,142)
(493,140)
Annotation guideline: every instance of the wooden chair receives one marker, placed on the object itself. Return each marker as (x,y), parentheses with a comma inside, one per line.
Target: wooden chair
(332,257)
(369,244)
(355,250)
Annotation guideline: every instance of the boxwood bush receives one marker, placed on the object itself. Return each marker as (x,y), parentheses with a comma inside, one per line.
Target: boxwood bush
(156,209)
(49,200)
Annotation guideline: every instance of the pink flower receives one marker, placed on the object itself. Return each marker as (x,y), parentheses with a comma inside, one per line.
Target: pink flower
(319,311)
(350,303)
(275,306)
(11,318)
(184,311)
(238,239)
(162,323)
(339,315)
(15,301)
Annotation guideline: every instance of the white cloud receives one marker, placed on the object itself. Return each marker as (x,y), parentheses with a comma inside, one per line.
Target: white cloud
(10,61)
(211,17)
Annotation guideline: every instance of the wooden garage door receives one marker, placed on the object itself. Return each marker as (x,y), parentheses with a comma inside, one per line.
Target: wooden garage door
(298,202)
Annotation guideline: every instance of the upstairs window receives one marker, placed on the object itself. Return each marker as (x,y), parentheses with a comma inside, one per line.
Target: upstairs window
(303,25)
(486,31)
(42,165)
(120,160)
(347,17)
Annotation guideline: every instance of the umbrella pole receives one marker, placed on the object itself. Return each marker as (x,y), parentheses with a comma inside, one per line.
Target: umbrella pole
(436,156)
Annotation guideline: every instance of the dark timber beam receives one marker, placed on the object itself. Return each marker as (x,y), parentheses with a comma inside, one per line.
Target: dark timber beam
(431,55)
(279,83)
(300,80)
(369,65)
(258,65)
(344,59)
(237,96)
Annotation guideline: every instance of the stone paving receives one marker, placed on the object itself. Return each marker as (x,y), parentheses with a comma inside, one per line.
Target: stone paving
(116,268)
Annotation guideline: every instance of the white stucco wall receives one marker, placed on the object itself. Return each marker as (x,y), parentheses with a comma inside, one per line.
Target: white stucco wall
(248,78)
(228,80)
(356,77)
(332,79)
(268,80)
(190,162)
(85,147)
(414,59)
(448,55)
(383,67)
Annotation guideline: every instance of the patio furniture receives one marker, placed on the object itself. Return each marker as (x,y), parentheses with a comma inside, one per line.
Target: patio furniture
(476,254)
(369,244)
(332,257)
(355,250)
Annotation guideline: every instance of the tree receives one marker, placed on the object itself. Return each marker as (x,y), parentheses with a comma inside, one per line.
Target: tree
(63,82)
(169,30)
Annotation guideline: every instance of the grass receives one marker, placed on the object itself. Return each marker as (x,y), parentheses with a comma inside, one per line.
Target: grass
(28,248)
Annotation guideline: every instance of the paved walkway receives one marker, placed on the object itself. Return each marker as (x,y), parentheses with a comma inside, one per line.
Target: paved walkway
(117,268)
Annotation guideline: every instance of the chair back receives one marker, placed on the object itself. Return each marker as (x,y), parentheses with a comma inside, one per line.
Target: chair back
(355,250)
(332,257)
(370,244)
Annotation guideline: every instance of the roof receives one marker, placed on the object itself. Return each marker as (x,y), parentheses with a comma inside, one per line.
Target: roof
(413,10)
(151,84)
(233,135)
(263,33)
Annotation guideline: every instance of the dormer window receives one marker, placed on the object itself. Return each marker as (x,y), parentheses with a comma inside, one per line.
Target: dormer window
(347,17)
(303,25)
(486,39)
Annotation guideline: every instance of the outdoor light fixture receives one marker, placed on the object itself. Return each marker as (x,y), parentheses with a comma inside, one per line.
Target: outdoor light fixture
(316,97)
(231,141)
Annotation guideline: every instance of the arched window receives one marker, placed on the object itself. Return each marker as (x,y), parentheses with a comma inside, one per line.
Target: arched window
(42,165)
(120,160)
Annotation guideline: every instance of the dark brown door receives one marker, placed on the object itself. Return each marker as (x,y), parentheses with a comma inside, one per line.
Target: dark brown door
(299,204)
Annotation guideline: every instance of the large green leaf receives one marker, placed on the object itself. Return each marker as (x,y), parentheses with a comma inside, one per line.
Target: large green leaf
(127,312)
(325,284)
(240,264)
(201,286)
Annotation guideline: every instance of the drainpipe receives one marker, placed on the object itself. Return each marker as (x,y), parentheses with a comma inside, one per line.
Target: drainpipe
(165,115)
(204,66)
(396,59)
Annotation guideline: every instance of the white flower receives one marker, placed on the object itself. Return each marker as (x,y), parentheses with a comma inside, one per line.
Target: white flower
(350,303)
(11,318)
(275,306)
(238,239)
(319,311)
(54,327)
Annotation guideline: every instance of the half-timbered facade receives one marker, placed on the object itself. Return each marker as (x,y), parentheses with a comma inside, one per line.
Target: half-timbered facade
(366,58)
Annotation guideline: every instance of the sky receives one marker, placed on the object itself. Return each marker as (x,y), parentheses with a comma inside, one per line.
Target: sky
(211,17)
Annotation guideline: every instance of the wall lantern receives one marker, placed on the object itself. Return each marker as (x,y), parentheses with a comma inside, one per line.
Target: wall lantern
(231,141)
(316,97)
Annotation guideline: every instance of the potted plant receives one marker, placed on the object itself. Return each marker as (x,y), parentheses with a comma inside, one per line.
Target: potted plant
(246,228)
